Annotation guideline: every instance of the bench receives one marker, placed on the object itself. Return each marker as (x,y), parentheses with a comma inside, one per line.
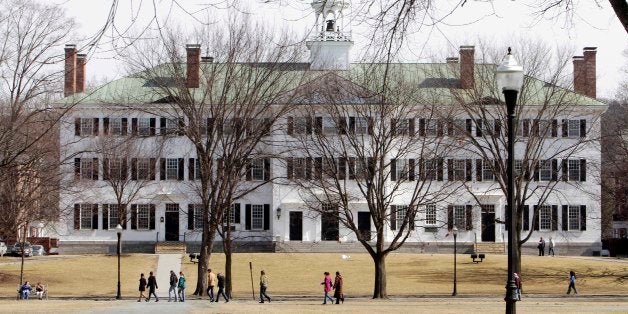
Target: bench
(194,257)
(33,294)
(478,258)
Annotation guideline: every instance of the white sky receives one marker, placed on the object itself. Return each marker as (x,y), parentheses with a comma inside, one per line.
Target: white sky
(592,26)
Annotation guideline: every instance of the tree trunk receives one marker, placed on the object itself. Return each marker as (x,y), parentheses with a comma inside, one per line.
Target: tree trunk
(203,260)
(621,10)
(379,292)
(228,263)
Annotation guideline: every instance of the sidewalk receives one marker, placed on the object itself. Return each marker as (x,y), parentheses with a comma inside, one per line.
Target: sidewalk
(166,263)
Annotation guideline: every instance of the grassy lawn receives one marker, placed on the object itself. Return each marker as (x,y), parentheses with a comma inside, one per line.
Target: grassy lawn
(77,275)
(301,274)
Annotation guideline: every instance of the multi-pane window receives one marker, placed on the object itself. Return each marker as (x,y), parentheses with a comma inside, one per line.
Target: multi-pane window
(113,216)
(232,214)
(574,217)
(431,127)
(431,169)
(172,169)
(197,168)
(523,126)
(257,169)
(460,217)
(518,167)
(87,126)
(87,168)
(143,126)
(115,126)
(401,169)
(172,126)
(257,217)
(401,213)
(402,126)
(573,169)
(143,216)
(430,215)
(115,169)
(86,216)
(361,125)
(198,216)
(545,170)
(143,169)
(357,168)
(487,170)
(459,127)
(299,167)
(573,128)
(459,172)
(329,125)
(302,125)
(545,217)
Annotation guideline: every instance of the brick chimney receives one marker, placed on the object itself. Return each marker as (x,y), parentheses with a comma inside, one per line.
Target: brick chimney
(584,78)
(193,65)
(467,64)
(69,84)
(81,59)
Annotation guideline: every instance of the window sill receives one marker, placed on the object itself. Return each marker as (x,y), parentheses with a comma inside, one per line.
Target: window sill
(431,229)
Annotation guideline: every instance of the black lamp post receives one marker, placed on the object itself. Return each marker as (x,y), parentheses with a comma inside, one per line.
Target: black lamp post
(119,232)
(509,78)
(455,232)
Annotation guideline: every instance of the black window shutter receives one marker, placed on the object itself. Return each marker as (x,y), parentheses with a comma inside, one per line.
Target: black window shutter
(236,213)
(526,127)
(450,169)
(266,169)
(411,165)
(583,128)
(535,127)
(181,125)
(411,127)
(152,123)
(469,123)
(162,126)
(506,218)
(393,217)
(565,169)
(308,125)
(190,216)
(352,125)
(247,217)
(319,125)
(498,127)
(133,168)
(95,216)
(450,217)
(536,171)
(308,168)
(393,127)
(77,168)
(440,125)
(181,169)
(583,170)
(318,167)
(125,125)
(77,216)
(393,170)
(468,166)
(105,169)
(162,168)
(153,165)
(526,217)
(450,128)
(105,216)
(411,216)
(351,166)
(152,216)
(342,125)
(125,170)
(209,126)
(421,127)
(554,128)
(134,126)
(565,128)
(95,169)
(77,126)
(536,216)
(248,175)
(342,168)
(469,212)
(191,164)
(289,167)
(122,215)
(554,217)
(583,217)
(478,128)
(96,126)
(290,125)
(478,170)
(565,218)
(440,170)
(554,169)
(105,126)
(133,216)
(266,216)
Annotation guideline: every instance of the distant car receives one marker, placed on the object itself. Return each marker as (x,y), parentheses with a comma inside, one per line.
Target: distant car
(38,250)
(17,249)
(3,249)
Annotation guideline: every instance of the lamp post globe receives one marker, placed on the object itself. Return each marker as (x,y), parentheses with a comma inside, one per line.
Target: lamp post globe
(119,233)
(455,233)
(509,79)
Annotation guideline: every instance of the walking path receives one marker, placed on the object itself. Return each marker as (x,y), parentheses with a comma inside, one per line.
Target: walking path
(166,263)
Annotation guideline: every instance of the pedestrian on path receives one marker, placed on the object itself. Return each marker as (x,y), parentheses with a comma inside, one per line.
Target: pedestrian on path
(173,286)
(263,285)
(181,286)
(152,286)
(211,283)
(327,287)
(551,246)
(541,247)
(518,284)
(338,295)
(142,287)
(572,282)
(221,288)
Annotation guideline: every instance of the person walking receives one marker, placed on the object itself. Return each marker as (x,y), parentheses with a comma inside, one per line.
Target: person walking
(338,295)
(327,287)
(211,283)
(551,246)
(173,286)
(518,284)
(221,288)
(263,285)
(142,287)
(572,282)
(181,286)
(541,247)
(152,286)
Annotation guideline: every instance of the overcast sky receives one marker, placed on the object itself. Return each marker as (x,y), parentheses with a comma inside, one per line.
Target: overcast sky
(497,21)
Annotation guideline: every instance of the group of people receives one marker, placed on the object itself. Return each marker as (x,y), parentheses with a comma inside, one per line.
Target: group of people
(336,285)
(541,247)
(572,283)
(177,287)
(26,289)
(213,281)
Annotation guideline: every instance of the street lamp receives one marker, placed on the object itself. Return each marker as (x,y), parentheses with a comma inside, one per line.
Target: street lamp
(455,232)
(119,233)
(509,78)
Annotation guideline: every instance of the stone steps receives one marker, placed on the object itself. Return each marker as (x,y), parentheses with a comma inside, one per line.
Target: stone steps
(490,247)
(170,248)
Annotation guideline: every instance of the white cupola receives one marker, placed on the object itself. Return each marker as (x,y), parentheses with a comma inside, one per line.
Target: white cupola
(330,45)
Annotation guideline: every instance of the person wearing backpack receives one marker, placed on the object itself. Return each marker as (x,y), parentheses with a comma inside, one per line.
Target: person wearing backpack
(181,286)
(173,286)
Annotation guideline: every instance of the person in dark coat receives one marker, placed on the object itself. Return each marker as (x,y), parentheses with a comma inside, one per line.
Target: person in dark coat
(221,288)
(174,281)
(152,286)
(338,295)
(142,287)
(541,247)
(572,283)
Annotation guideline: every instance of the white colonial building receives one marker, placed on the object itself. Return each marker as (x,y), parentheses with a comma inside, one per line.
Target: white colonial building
(275,216)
